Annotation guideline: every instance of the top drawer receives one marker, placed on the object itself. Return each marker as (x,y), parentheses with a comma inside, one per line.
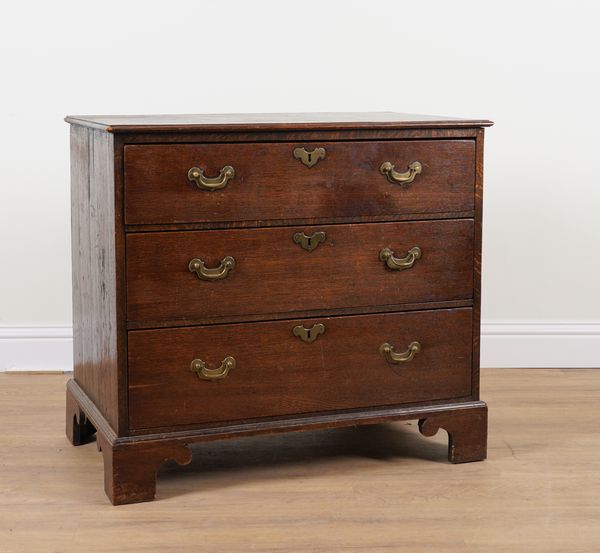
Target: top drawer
(271,181)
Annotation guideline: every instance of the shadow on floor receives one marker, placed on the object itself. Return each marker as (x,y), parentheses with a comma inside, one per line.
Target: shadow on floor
(220,463)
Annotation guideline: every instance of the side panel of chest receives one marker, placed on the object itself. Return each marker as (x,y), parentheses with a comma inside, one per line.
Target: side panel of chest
(97,245)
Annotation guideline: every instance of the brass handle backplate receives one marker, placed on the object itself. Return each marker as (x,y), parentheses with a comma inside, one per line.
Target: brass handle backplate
(388,170)
(387,350)
(197,266)
(400,263)
(309,158)
(195,174)
(308,335)
(203,372)
(309,243)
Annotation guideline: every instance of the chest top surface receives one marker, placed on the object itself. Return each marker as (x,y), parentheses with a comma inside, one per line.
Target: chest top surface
(270,121)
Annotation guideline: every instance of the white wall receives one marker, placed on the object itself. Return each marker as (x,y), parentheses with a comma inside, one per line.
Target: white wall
(530,66)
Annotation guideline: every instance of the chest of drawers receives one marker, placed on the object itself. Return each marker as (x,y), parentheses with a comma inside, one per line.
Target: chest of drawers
(238,275)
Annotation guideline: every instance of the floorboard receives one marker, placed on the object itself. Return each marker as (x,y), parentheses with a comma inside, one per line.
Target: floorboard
(373,489)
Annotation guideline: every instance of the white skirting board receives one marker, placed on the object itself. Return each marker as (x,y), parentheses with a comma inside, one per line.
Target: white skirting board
(36,349)
(540,345)
(503,345)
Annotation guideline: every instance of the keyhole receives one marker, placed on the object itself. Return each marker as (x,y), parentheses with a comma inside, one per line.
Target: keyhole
(309,157)
(308,335)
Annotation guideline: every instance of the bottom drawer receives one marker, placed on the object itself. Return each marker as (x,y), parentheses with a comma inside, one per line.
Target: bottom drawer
(266,369)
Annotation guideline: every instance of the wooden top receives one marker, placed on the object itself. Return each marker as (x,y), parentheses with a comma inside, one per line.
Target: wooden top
(269,121)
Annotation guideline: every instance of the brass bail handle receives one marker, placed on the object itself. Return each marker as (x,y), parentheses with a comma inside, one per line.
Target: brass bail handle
(217,273)
(196,175)
(387,350)
(388,170)
(199,367)
(400,263)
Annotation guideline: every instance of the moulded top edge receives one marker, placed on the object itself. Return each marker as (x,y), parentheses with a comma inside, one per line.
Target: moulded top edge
(269,122)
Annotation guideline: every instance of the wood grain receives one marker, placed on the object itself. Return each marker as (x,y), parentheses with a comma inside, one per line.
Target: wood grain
(467,433)
(294,135)
(276,373)
(295,222)
(79,429)
(477,258)
(379,488)
(257,122)
(312,314)
(275,275)
(270,183)
(130,471)
(94,261)
(138,221)
(131,463)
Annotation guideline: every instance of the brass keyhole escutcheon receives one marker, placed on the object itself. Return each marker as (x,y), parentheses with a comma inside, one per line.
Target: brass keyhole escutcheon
(309,243)
(310,159)
(309,335)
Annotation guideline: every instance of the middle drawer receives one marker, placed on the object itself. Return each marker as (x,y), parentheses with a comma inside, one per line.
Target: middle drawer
(180,277)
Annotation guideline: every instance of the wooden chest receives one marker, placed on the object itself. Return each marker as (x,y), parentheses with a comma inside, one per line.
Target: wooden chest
(237,275)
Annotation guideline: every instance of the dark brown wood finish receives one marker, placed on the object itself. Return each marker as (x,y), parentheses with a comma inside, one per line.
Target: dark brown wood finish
(315,313)
(258,122)
(299,136)
(467,433)
(149,411)
(123,484)
(79,428)
(121,284)
(477,262)
(269,183)
(275,275)
(309,221)
(130,471)
(95,257)
(277,373)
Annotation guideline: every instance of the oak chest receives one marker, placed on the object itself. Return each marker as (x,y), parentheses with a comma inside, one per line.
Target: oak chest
(236,275)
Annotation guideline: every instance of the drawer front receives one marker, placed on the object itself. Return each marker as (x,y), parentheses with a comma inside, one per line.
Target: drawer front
(269,183)
(274,372)
(275,274)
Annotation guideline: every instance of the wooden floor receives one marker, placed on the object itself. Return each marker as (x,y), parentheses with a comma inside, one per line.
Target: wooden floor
(372,489)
